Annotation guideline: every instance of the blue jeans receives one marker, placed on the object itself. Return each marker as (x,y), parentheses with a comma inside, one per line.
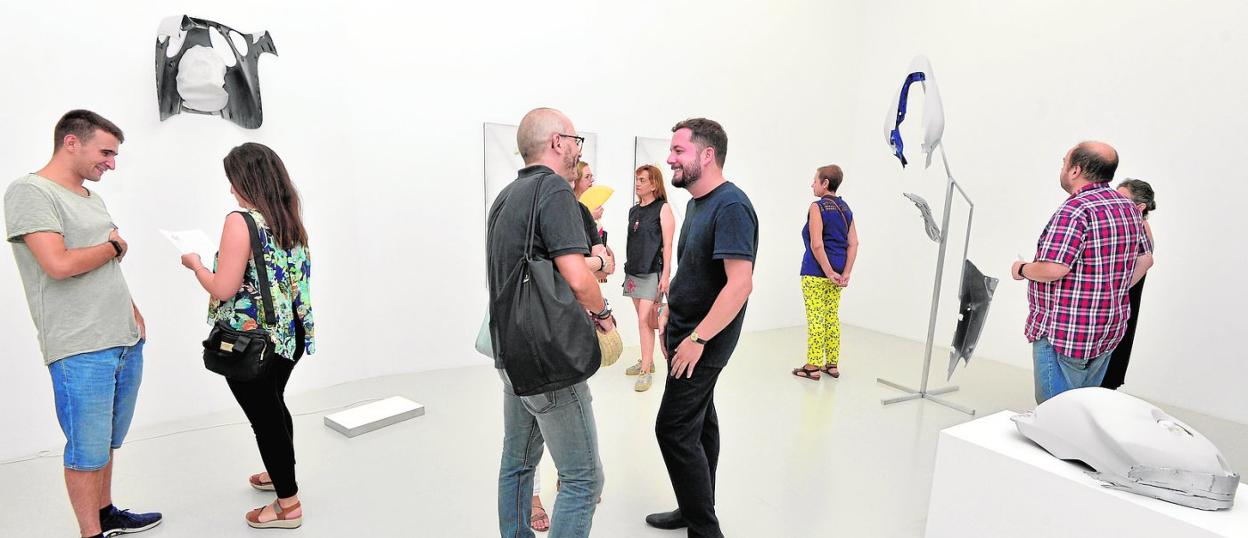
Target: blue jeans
(564,420)
(1056,373)
(95,394)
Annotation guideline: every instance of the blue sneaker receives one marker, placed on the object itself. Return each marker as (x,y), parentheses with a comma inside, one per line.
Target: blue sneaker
(114,521)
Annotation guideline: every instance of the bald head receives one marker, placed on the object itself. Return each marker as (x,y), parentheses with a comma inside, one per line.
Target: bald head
(1096,161)
(536,131)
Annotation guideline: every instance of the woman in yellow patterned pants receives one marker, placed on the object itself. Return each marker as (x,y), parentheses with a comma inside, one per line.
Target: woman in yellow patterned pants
(831,238)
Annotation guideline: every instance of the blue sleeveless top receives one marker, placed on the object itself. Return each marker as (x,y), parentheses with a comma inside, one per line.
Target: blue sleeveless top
(836,220)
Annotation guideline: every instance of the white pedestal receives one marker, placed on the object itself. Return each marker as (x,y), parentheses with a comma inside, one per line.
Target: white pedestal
(374,416)
(990,481)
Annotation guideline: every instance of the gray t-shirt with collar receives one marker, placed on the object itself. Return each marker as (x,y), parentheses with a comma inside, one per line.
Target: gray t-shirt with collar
(80,314)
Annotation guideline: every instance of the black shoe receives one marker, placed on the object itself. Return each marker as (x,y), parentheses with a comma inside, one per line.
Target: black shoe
(114,521)
(667,520)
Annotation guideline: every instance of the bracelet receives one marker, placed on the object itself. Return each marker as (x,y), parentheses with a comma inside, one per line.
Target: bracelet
(605,314)
(602,263)
(116,247)
(1020,271)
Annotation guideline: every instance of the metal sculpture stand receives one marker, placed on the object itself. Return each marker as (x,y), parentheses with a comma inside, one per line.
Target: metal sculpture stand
(923,393)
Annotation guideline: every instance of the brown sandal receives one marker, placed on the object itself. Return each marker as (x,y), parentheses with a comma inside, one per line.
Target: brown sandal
(808,374)
(832,371)
(283,521)
(539,515)
(259,484)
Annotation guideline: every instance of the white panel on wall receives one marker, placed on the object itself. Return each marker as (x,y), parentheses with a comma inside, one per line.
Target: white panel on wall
(502,157)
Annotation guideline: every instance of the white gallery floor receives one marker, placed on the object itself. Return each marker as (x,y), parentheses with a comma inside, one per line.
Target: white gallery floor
(799,458)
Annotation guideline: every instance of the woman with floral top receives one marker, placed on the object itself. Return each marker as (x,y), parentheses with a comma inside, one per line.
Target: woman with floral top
(258,180)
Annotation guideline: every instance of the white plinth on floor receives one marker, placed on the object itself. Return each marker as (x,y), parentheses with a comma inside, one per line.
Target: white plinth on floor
(989,480)
(374,416)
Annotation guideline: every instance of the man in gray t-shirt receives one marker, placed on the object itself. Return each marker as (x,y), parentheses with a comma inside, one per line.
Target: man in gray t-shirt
(68,252)
(561,418)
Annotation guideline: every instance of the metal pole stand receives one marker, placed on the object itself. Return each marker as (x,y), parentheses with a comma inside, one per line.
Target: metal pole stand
(923,393)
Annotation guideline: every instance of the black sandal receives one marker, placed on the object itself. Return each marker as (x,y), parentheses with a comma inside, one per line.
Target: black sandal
(808,374)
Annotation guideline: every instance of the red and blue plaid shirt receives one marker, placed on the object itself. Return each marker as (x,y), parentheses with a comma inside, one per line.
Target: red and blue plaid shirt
(1098,234)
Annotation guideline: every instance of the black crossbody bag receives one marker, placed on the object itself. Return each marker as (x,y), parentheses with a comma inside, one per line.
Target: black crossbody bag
(541,333)
(244,355)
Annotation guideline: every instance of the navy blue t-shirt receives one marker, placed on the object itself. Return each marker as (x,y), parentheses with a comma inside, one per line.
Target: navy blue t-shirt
(719,226)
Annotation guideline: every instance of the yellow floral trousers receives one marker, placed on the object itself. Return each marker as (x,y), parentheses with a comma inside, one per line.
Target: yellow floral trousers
(823,321)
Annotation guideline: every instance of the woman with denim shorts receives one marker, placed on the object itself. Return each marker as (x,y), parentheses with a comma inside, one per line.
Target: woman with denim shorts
(647,270)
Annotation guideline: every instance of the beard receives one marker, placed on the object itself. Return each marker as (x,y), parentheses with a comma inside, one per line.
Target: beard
(569,165)
(689,174)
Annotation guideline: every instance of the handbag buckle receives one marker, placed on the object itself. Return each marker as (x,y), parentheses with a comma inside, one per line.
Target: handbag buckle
(227,347)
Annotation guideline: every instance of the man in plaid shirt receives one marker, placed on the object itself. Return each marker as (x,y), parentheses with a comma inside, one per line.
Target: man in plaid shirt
(1091,252)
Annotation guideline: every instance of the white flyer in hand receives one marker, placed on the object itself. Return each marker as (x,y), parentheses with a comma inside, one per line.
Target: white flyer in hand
(192,241)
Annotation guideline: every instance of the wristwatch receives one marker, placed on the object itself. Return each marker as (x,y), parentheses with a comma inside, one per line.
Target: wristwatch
(606,310)
(116,247)
(693,337)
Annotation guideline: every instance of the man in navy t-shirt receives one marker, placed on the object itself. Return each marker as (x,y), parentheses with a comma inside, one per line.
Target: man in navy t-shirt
(707,299)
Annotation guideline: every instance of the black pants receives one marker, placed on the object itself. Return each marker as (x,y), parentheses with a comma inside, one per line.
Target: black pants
(1116,370)
(263,401)
(688,434)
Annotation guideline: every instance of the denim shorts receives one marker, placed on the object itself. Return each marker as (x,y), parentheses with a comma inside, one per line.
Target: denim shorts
(95,394)
(642,286)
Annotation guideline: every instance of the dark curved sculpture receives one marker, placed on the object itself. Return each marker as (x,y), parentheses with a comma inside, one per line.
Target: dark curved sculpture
(975,298)
(241,81)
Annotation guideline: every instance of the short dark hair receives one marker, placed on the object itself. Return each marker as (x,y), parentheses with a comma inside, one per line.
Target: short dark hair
(82,124)
(707,133)
(832,175)
(1141,193)
(1095,167)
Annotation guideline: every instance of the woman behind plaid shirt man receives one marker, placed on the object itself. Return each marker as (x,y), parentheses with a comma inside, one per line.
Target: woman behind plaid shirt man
(1092,251)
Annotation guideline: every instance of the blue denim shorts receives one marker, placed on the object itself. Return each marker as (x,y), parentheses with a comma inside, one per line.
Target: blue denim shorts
(95,394)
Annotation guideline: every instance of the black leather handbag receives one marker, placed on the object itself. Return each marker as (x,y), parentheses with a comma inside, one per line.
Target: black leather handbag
(541,333)
(244,355)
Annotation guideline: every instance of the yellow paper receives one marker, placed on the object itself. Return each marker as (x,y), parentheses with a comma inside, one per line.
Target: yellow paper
(595,196)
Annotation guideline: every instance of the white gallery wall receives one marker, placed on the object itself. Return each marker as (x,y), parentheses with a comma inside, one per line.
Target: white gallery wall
(377,109)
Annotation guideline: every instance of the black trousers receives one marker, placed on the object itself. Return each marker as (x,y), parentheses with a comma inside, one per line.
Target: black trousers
(264,402)
(1116,370)
(688,433)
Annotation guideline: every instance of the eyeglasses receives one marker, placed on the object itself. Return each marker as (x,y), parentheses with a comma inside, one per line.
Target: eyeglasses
(580,140)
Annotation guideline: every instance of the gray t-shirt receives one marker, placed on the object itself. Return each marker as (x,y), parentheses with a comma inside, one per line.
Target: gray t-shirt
(80,314)
(559,230)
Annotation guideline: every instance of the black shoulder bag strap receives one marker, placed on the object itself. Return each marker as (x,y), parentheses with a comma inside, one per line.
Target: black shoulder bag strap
(262,270)
(528,247)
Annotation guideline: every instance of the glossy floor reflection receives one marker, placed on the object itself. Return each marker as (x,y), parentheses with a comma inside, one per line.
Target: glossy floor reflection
(800,458)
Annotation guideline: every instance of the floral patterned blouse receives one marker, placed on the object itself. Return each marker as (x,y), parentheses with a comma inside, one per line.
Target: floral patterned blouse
(290,274)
